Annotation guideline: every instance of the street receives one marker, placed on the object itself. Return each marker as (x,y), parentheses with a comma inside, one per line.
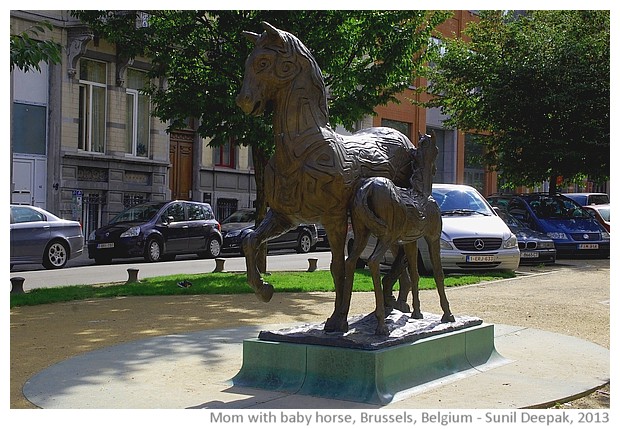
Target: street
(84,271)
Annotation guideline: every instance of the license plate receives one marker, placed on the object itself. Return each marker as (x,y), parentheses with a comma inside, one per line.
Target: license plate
(480,258)
(588,246)
(529,254)
(105,245)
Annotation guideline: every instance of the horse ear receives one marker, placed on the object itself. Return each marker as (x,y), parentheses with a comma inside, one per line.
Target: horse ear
(273,33)
(252,37)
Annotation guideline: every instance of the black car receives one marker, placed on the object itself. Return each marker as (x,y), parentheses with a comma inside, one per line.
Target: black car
(234,228)
(535,247)
(158,231)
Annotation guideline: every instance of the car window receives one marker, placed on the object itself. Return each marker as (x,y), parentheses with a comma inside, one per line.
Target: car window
(26,214)
(598,199)
(553,207)
(460,200)
(139,213)
(241,216)
(175,213)
(195,212)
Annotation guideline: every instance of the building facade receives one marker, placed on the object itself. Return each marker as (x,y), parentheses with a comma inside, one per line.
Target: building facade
(84,145)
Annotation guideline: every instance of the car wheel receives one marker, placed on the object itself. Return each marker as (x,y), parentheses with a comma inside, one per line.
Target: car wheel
(304,243)
(103,261)
(153,250)
(56,255)
(214,248)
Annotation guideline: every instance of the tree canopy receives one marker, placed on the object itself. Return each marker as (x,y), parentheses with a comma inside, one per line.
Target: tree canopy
(535,86)
(27,51)
(367,57)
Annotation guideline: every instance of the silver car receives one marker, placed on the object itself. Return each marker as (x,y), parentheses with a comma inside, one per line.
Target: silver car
(473,236)
(39,237)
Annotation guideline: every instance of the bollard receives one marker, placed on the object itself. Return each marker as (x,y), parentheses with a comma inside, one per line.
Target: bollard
(17,285)
(219,265)
(133,275)
(312,264)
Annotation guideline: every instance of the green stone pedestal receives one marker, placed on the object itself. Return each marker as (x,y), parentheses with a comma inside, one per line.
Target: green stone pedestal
(368,376)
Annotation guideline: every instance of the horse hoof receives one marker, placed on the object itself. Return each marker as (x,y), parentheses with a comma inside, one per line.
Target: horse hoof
(264,293)
(417,315)
(401,306)
(382,331)
(335,324)
(448,318)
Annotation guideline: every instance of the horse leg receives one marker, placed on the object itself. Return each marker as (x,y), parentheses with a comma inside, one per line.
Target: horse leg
(433,248)
(411,250)
(397,271)
(336,229)
(374,264)
(272,226)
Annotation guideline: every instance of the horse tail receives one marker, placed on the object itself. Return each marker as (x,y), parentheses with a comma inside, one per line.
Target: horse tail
(363,205)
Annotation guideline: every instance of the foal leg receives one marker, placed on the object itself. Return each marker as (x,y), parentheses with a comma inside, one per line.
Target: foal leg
(374,263)
(397,271)
(434,251)
(411,250)
(272,226)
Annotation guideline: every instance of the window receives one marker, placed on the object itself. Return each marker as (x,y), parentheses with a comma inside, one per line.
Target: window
(474,170)
(403,127)
(25,214)
(195,212)
(175,212)
(91,129)
(138,114)
(224,156)
(29,123)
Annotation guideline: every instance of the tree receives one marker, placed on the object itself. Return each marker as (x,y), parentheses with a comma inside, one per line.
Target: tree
(366,57)
(27,52)
(536,87)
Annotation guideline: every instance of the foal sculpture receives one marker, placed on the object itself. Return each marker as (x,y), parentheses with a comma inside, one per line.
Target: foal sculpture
(314,171)
(399,216)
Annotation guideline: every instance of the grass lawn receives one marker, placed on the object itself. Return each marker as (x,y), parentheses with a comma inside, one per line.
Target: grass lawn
(226,283)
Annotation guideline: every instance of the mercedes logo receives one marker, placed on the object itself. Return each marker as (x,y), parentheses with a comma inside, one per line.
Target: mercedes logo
(479,244)
(586,236)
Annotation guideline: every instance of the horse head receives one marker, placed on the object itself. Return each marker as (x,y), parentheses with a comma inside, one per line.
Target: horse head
(425,157)
(278,64)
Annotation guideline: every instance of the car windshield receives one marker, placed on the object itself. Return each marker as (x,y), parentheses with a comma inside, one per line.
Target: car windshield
(598,199)
(460,202)
(553,207)
(138,213)
(240,216)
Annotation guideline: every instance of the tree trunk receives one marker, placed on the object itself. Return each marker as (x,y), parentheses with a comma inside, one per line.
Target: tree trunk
(553,185)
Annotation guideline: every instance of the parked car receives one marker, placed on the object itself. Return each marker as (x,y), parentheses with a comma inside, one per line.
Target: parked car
(234,228)
(158,231)
(40,237)
(473,236)
(535,246)
(573,230)
(588,198)
(601,213)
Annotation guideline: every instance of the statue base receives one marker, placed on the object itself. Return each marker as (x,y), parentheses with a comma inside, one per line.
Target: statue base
(383,371)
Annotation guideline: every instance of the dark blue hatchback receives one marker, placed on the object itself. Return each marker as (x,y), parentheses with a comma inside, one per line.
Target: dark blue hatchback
(574,231)
(158,231)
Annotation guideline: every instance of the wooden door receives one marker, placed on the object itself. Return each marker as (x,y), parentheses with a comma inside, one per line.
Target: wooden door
(181,158)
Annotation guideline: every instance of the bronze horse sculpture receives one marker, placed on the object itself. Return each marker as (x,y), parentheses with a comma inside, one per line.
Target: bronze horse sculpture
(399,217)
(314,172)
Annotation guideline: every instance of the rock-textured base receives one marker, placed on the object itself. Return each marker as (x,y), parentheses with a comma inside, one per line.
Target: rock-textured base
(361,333)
